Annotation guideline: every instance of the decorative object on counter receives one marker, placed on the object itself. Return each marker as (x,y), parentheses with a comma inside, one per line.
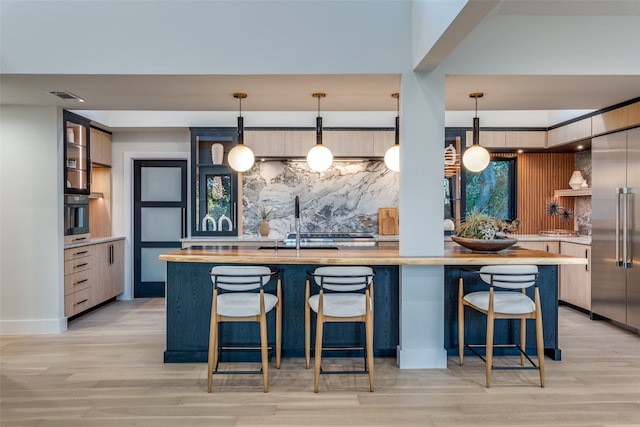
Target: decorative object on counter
(217,153)
(449,227)
(392,156)
(319,158)
(241,157)
(476,158)
(208,219)
(221,222)
(554,209)
(485,233)
(388,221)
(217,188)
(264,225)
(576,180)
(584,184)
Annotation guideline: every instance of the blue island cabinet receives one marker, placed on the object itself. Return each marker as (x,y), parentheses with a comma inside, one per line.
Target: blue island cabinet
(188,309)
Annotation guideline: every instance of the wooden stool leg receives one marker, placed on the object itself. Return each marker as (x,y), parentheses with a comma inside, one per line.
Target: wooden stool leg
(489,355)
(307,327)
(460,322)
(318,352)
(539,337)
(369,339)
(523,338)
(264,350)
(212,359)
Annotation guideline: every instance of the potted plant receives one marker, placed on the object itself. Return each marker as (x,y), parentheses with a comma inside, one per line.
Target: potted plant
(485,233)
(264,225)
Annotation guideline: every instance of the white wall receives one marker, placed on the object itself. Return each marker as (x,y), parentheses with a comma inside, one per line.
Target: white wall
(31,220)
(153,144)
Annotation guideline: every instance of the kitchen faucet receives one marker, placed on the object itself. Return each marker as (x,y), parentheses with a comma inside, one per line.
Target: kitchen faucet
(297,224)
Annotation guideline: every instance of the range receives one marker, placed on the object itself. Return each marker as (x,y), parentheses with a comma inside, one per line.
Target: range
(330,239)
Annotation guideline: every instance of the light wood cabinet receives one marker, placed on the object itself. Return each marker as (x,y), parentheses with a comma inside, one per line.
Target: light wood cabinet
(266,143)
(575,280)
(618,119)
(525,139)
(100,147)
(93,274)
(488,138)
(345,143)
(382,141)
(552,247)
(571,132)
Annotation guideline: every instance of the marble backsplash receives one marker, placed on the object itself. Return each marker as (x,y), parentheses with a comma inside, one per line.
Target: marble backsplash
(344,198)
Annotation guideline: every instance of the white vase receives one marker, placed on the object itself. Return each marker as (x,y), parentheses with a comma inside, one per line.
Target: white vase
(217,153)
(576,180)
(71,136)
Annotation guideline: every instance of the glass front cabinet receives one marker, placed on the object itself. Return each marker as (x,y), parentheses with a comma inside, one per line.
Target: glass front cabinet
(214,185)
(77,164)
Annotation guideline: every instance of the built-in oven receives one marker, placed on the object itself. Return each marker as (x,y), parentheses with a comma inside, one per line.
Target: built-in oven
(76,217)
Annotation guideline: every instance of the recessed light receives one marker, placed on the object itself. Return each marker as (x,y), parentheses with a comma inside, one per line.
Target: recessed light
(67,96)
(520,151)
(580,147)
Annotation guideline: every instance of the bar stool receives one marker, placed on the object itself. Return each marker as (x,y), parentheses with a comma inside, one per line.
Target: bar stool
(512,303)
(239,302)
(345,295)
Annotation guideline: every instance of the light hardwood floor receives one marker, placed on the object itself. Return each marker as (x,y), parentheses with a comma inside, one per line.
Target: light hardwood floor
(107,370)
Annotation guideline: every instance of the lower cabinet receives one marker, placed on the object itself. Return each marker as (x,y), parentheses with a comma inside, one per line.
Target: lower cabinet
(93,273)
(552,247)
(575,280)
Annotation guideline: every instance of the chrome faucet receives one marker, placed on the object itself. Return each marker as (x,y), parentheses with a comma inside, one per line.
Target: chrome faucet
(297,219)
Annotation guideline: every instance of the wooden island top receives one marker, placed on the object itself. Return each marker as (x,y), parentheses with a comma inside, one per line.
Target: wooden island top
(378,255)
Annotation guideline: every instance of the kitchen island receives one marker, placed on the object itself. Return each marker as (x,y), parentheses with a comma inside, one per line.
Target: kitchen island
(188,294)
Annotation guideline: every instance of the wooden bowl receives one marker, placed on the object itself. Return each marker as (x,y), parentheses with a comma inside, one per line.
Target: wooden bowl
(480,245)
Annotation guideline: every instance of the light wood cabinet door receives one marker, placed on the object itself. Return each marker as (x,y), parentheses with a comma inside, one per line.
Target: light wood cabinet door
(109,266)
(569,133)
(525,139)
(550,246)
(575,280)
(100,147)
(266,143)
(620,118)
(382,141)
(346,143)
(488,138)
(297,143)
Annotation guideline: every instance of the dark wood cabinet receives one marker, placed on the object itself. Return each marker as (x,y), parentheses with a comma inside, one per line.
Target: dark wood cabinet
(214,185)
(77,161)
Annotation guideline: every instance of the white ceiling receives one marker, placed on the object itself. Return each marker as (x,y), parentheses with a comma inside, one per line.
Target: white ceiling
(344,92)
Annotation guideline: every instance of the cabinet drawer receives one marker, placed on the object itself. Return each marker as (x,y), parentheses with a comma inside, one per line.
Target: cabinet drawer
(79,252)
(76,265)
(76,302)
(77,281)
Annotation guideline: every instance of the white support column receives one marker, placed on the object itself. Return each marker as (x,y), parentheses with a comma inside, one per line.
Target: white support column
(421,220)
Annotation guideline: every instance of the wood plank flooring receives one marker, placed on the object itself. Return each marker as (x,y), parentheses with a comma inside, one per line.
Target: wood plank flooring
(107,370)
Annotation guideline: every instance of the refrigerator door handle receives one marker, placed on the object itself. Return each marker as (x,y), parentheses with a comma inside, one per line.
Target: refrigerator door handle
(626,248)
(619,262)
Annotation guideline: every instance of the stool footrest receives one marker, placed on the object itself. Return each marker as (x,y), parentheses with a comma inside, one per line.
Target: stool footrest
(473,347)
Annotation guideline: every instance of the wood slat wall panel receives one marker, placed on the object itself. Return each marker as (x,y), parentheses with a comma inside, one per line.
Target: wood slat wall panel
(539,174)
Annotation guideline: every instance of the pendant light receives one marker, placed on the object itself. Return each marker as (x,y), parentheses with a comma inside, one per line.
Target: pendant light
(476,158)
(392,156)
(241,157)
(319,158)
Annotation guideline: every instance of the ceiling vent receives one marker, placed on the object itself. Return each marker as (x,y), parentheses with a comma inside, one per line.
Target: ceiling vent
(67,96)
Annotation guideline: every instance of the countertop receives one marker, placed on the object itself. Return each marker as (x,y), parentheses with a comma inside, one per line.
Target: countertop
(93,241)
(377,255)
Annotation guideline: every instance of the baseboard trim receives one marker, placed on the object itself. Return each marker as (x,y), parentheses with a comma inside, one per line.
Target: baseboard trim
(33,326)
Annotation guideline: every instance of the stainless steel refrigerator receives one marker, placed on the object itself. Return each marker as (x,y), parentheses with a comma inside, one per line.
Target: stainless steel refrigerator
(615,275)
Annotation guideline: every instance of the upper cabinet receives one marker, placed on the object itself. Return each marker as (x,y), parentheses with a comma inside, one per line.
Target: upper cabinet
(100,147)
(77,167)
(488,138)
(214,185)
(618,119)
(569,133)
(506,139)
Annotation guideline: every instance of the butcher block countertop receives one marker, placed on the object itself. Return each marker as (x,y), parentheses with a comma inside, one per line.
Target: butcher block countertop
(378,255)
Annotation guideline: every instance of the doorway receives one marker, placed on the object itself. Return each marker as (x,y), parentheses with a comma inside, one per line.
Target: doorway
(159,220)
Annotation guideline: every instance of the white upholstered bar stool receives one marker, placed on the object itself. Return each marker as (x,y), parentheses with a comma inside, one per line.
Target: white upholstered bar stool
(239,296)
(345,294)
(511,302)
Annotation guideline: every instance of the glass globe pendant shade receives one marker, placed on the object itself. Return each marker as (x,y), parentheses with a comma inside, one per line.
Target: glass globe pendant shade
(241,158)
(392,158)
(319,158)
(476,158)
